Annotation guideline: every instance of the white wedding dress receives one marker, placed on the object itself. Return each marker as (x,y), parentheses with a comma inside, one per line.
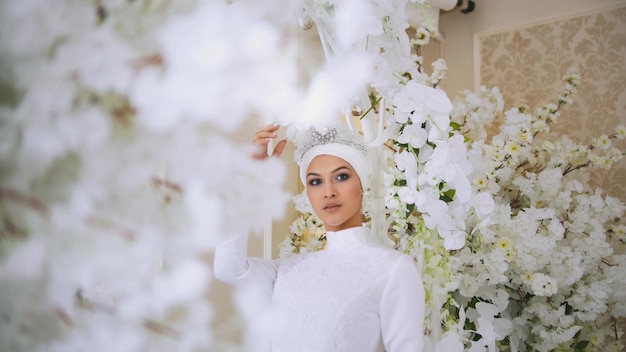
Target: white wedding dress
(353,296)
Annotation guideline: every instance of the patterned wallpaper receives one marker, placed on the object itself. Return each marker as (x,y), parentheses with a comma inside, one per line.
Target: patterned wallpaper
(527,65)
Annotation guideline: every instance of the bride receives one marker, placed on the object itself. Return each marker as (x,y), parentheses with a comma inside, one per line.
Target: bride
(355,295)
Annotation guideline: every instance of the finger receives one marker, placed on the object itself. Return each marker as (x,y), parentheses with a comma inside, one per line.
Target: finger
(269,128)
(261,142)
(280,146)
(264,136)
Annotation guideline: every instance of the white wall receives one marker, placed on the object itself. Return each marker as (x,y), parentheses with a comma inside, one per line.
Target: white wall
(458,29)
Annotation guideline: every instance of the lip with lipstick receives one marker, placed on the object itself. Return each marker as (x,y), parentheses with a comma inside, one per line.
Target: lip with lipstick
(332,207)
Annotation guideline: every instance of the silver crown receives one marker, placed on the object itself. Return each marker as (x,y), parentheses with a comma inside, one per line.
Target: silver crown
(335,134)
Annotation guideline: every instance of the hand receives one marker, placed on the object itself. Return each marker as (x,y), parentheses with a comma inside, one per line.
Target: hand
(262,139)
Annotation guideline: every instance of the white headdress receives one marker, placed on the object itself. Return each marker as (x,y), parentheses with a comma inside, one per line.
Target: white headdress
(336,140)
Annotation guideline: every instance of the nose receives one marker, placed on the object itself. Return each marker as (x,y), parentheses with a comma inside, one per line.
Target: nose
(329,190)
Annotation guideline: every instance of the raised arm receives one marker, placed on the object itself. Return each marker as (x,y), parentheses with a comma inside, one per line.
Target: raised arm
(231,263)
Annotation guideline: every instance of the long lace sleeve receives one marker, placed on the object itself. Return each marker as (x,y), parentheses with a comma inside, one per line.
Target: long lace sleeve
(402,309)
(232,265)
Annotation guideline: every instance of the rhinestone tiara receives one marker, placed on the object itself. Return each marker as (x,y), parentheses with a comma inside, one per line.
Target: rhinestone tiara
(332,134)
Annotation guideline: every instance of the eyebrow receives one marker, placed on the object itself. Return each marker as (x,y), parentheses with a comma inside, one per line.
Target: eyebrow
(332,172)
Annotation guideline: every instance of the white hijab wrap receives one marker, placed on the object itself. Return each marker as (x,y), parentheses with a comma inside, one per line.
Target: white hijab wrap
(356,158)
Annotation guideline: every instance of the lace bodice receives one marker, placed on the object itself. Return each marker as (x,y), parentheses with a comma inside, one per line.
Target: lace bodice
(352,296)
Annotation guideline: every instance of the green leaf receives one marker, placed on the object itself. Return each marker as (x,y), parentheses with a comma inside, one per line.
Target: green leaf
(373,98)
(409,209)
(455,126)
(581,345)
(399,183)
(448,195)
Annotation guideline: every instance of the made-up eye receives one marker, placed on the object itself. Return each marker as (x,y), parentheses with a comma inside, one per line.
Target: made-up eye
(315,182)
(342,177)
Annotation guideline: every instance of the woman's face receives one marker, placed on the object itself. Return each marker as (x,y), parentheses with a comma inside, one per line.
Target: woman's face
(334,189)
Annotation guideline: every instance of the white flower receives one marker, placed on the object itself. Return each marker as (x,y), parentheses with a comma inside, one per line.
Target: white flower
(603,142)
(451,342)
(480,182)
(391,202)
(302,203)
(454,240)
(620,132)
(439,71)
(548,182)
(447,164)
(414,135)
(400,116)
(437,101)
(504,244)
(411,99)
(543,285)
(540,126)
(382,76)
(620,231)
(596,337)
(410,194)
(490,329)
(405,161)
(512,148)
